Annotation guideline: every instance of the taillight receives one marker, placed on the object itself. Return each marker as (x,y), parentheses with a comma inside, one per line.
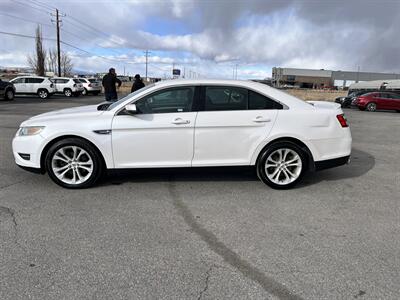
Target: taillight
(74,84)
(51,85)
(90,85)
(342,120)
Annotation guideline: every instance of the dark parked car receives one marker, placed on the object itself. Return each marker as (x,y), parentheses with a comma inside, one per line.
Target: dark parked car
(347,101)
(379,100)
(7,90)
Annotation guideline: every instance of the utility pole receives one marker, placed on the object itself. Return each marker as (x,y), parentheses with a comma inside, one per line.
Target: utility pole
(147,52)
(58,43)
(58,22)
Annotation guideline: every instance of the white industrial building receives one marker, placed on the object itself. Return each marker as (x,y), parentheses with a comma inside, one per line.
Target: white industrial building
(312,78)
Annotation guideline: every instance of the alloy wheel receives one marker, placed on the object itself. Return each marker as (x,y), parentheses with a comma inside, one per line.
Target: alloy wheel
(283,166)
(68,93)
(43,94)
(371,107)
(72,165)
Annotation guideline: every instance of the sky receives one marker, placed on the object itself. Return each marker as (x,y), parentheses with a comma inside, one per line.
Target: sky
(208,38)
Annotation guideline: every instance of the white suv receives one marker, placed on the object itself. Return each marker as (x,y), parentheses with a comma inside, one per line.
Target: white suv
(91,86)
(68,86)
(28,85)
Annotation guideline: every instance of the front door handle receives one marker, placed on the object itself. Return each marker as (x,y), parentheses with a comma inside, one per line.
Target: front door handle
(261,119)
(179,121)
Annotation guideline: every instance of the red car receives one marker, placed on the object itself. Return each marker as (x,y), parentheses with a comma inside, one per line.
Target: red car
(378,100)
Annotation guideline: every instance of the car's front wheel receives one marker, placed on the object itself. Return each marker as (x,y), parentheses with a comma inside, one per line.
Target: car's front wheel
(74,163)
(281,165)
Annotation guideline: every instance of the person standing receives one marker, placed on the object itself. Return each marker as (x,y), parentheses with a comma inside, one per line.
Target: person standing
(109,81)
(137,84)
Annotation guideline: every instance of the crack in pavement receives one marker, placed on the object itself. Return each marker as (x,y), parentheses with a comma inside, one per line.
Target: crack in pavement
(269,284)
(11,213)
(208,275)
(12,184)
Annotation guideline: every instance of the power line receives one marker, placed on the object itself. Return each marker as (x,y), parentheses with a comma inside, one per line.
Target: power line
(25,36)
(34,7)
(42,4)
(23,19)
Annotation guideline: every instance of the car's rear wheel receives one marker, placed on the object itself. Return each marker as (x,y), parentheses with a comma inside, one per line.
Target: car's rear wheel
(68,92)
(84,92)
(371,106)
(43,94)
(9,95)
(281,165)
(74,163)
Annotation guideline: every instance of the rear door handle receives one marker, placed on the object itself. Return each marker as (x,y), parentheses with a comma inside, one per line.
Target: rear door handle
(261,119)
(179,121)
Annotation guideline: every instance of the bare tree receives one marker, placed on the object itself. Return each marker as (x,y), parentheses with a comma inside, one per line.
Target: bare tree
(37,60)
(52,61)
(66,64)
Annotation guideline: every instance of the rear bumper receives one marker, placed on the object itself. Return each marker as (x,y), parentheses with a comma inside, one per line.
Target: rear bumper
(331,163)
(94,89)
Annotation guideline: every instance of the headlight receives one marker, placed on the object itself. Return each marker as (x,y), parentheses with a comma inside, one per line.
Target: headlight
(29,130)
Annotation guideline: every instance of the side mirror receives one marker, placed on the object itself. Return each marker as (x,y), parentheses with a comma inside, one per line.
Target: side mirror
(131,109)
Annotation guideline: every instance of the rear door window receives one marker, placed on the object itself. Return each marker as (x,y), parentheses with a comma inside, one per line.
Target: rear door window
(225,98)
(34,80)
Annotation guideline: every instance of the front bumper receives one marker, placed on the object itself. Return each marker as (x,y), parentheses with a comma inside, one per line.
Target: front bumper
(331,163)
(24,146)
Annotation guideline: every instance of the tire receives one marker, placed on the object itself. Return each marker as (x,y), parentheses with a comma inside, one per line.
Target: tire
(9,95)
(371,106)
(74,163)
(278,175)
(43,93)
(67,92)
(85,92)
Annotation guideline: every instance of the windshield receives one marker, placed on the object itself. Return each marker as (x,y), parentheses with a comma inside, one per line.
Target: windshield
(115,104)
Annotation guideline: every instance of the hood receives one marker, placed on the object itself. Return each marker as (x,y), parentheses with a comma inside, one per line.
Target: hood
(75,112)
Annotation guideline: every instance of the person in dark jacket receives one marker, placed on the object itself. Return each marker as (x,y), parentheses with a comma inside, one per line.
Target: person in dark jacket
(137,84)
(109,82)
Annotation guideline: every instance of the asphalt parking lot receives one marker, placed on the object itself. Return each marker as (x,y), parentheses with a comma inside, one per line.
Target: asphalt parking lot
(204,233)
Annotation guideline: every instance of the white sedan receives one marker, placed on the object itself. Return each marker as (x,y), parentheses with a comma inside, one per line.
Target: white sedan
(188,123)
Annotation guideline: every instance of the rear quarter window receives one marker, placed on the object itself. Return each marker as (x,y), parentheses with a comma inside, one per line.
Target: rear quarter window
(76,80)
(258,101)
